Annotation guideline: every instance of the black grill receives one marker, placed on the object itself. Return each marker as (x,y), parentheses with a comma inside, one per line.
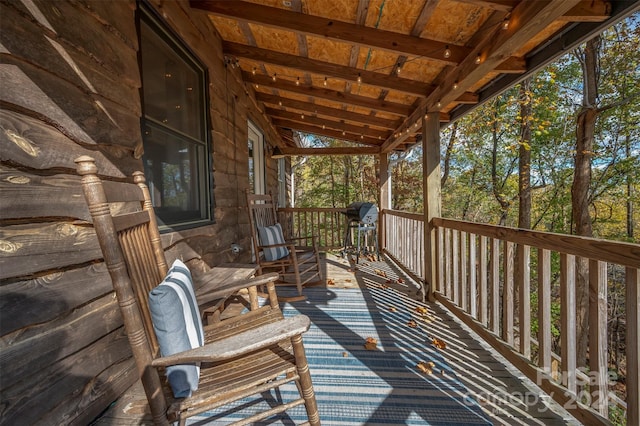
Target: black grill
(362,220)
(363,212)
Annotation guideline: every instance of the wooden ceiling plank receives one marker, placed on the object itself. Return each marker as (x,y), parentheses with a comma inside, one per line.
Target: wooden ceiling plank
(338,150)
(330,112)
(333,29)
(527,19)
(404,85)
(332,95)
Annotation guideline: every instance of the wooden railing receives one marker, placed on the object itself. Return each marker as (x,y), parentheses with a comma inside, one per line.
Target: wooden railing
(327,224)
(403,241)
(485,277)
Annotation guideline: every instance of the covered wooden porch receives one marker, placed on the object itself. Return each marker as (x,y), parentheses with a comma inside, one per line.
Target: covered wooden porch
(468,382)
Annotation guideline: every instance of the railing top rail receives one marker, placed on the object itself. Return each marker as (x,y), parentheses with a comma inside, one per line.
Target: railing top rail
(312,209)
(626,254)
(399,213)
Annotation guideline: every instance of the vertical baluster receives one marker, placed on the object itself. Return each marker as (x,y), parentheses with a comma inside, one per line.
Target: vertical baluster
(544,310)
(507,294)
(439,263)
(568,320)
(598,336)
(495,285)
(447,263)
(483,281)
(455,259)
(524,299)
(632,307)
(473,285)
(464,284)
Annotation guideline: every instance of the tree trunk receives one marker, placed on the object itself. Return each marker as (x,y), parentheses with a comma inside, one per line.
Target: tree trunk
(496,188)
(447,156)
(524,158)
(580,188)
(630,220)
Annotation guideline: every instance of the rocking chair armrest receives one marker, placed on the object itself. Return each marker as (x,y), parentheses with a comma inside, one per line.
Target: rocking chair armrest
(205,295)
(241,343)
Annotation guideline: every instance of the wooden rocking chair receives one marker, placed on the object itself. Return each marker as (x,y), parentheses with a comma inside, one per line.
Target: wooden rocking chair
(297,265)
(242,356)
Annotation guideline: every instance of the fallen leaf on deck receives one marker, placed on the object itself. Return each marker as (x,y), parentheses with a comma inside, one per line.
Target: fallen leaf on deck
(380,272)
(371,344)
(392,308)
(412,324)
(331,282)
(426,367)
(345,354)
(400,280)
(421,310)
(347,280)
(438,343)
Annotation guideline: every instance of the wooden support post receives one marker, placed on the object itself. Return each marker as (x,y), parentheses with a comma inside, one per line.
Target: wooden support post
(385,198)
(483,290)
(431,195)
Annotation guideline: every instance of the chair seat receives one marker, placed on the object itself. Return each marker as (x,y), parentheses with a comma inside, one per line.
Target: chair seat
(240,377)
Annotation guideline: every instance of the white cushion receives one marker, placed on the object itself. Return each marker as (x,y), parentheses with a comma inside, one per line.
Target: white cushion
(177,324)
(270,235)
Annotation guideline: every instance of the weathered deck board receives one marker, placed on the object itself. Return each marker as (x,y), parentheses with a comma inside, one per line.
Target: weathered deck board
(504,394)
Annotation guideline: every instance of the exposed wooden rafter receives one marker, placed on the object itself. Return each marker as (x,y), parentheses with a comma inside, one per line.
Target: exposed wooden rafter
(527,19)
(367,100)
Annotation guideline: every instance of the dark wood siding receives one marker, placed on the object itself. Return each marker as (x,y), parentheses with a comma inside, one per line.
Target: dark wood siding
(70,87)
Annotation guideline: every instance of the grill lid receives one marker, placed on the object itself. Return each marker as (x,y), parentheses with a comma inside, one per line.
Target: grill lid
(362,212)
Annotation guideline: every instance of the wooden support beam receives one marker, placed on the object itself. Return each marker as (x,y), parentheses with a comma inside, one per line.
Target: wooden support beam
(527,19)
(404,85)
(332,95)
(359,137)
(334,30)
(337,114)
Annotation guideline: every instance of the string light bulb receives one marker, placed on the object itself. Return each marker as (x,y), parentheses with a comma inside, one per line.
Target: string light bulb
(253,71)
(447,52)
(439,104)
(455,85)
(279,103)
(359,78)
(273,78)
(478,60)
(505,24)
(298,81)
(343,133)
(324,127)
(399,68)
(302,116)
(325,82)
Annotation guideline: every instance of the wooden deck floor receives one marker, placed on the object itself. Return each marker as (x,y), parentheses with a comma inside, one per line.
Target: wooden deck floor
(505,395)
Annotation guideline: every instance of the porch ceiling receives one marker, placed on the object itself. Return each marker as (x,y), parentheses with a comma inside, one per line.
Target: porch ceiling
(367,71)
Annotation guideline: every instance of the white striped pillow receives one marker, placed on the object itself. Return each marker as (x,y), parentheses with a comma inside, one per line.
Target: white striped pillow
(270,235)
(177,324)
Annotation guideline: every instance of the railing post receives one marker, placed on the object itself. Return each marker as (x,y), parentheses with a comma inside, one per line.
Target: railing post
(431,194)
(385,198)
(598,336)
(633,345)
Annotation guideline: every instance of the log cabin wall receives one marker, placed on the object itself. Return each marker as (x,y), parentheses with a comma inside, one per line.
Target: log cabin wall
(70,85)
